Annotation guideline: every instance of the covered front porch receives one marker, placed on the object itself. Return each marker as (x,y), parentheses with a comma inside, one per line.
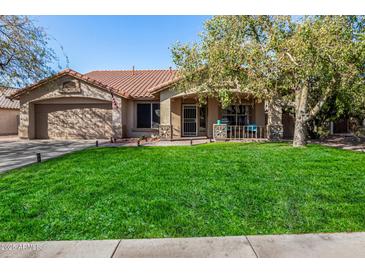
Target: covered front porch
(182,116)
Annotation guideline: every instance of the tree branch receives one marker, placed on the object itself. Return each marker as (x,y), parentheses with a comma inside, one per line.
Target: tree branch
(285,103)
(314,111)
(3,65)
(291,58)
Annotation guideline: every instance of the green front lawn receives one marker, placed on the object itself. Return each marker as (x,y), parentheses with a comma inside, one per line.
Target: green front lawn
(206,190)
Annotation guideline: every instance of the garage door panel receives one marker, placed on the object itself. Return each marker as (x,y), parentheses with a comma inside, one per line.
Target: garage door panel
(70,121)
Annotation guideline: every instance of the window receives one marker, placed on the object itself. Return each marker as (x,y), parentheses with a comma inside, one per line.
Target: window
(143,115)
(155,115)
(237,115)
(148,115)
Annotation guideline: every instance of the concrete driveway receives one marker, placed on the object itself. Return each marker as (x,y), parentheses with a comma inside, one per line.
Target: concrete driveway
(16,153)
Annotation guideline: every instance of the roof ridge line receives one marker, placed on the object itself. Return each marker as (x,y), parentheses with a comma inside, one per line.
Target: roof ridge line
(7,87)
(116,70)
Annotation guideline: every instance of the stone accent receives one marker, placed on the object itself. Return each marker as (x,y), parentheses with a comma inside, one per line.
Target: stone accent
(117,124)
(220,132)
(24,116)
(274,123)
(165,132)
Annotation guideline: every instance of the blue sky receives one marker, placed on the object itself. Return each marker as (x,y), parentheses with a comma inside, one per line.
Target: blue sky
(119,42)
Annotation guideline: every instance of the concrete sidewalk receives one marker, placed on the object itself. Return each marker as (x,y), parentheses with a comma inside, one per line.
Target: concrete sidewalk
(334,245)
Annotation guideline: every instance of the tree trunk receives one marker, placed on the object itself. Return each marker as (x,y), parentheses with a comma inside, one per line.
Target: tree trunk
(301,116)
(300,132)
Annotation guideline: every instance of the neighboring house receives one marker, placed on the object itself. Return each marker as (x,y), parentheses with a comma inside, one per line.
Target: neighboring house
(9,112)
(128,103)
(341,126)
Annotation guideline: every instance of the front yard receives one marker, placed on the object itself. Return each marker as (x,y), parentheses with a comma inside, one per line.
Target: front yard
(206,190)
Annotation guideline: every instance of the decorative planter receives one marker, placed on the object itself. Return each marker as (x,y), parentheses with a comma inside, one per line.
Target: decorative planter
(219,132)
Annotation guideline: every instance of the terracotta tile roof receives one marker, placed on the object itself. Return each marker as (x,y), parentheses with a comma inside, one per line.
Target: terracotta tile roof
(135,83)
(6,102)
(164,85)
(139,84)
(155,89)
(74,74)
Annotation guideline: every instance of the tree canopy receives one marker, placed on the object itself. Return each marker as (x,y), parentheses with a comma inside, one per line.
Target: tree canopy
(301,61)
(25,54)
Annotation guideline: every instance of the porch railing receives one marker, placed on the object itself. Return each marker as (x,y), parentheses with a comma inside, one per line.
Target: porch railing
(245,132)
(226,132)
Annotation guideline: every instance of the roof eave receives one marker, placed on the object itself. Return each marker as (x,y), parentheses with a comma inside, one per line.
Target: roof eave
(164,86)
(9,108)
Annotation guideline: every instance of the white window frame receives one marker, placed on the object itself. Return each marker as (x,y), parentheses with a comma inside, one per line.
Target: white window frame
(145,103)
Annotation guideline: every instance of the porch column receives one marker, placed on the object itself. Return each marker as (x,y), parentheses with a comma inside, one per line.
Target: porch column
(165,129)
(213,116)
(274,123)
(117,117)
(26,121)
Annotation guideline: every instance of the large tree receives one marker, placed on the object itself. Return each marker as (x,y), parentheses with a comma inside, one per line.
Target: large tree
(297,62)
(325,60)
(25,54)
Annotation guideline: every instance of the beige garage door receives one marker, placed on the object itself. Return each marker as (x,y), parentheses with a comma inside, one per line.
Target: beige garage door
(73,121)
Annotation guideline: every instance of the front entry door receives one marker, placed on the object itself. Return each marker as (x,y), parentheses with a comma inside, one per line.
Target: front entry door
(190,120)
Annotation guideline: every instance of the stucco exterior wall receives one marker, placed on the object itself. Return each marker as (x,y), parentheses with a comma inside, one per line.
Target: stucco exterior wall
(260,113)
(213,115)
(54,93)
(130,118)
(176,117)
(54,90)
(274,120)
(124,117)
(166,98)
(9,121)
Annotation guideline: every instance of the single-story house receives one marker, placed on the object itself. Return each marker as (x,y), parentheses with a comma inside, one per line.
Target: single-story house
(129,103)
(9,112)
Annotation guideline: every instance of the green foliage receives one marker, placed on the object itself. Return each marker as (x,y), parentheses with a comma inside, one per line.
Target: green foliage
(206,190)
(319,57)
(25,55)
